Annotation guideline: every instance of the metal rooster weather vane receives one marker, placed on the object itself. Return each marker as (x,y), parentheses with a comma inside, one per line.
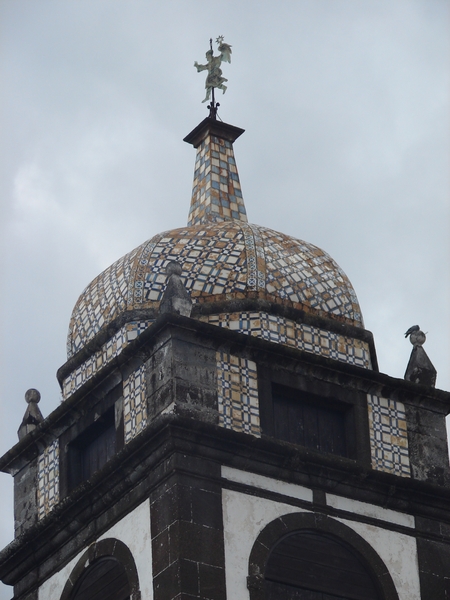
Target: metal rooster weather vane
(214,78)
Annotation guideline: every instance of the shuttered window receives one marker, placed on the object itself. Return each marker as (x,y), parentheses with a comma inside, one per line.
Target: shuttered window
(91,450)
(106,579)
(311,565)
(308,420)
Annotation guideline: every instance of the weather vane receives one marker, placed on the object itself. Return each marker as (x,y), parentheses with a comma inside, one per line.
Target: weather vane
(214,78)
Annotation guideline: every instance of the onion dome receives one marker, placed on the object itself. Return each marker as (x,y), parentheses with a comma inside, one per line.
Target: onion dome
(223,258)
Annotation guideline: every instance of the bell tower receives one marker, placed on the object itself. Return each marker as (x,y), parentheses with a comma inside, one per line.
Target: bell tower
(225,432)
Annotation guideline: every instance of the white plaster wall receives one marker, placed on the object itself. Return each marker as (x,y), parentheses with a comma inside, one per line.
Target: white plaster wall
(399,553)
(134,531)
(370,510)
(244,518)
(267,483)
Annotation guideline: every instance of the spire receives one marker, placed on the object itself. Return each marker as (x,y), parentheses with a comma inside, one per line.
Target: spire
(216,191)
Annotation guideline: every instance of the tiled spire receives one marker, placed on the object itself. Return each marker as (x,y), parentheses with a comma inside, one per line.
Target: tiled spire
(216,192)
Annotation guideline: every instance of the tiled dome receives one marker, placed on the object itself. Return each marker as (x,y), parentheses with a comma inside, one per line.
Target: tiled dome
(229,260)
(222,257)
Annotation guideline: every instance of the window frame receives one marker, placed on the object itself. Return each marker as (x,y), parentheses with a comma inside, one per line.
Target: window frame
(111,583)
(107,548)
(326,394)
(81,429)
(281,527)
(97,442)
(322,413)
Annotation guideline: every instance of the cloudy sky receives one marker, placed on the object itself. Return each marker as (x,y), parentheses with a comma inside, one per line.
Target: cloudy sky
(345,104)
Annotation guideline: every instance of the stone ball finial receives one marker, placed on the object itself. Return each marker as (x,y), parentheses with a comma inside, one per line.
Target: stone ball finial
(174,268)
(416,336)
(32,395)
(33,415)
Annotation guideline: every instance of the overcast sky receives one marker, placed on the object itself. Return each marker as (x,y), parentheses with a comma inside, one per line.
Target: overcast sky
(345,104)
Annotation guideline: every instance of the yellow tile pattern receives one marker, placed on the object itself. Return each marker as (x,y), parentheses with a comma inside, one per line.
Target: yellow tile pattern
(134,404)
(48,479)
(109,350)
(216,192)
(297,335)
(220,261)
(388,435)
(103,300)
(237,394)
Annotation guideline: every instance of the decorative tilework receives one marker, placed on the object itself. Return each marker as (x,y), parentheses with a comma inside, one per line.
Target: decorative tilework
(102,357)
(48,479)
(227,260)
(101,302)
(221,255)
(304,273)
(388,436)
(256,266)
(298,335)
(140,270)
(134,404)
(216,192)
(237,394)
(213,260)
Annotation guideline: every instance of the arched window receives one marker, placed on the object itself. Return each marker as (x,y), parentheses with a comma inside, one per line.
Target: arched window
(312,565)
(105,578)
(106,571)
(308,556)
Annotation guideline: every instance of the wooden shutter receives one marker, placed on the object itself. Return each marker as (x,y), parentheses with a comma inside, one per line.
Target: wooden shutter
(310,565)
(106,579)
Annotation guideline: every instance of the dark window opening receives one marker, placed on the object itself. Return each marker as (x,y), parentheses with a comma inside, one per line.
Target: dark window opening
(92,449)
(309,565)
(324,425)
(105,579)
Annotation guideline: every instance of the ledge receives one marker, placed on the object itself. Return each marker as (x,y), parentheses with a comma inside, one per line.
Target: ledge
(176,444)
(210,126)
(173,325)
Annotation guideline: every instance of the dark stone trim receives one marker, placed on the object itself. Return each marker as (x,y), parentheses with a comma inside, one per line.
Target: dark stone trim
(105,548)
(210,126)
(434,569)
(136,352)
(33,595)
(167,446)
(319,505)
(187,534)
(287,524)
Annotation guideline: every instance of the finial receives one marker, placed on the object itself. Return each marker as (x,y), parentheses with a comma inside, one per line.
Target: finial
(416,337)
(32,395)
(33,415)
(176,298)
(214,78)
(420,369)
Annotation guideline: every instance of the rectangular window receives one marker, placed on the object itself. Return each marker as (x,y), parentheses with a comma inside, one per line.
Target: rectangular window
(91,450)
(323,425)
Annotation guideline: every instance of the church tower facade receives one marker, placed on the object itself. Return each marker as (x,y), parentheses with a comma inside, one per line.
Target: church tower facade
(225,431)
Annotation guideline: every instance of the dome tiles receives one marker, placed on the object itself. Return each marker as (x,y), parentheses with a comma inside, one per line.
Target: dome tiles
(228,260)
(223,258)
